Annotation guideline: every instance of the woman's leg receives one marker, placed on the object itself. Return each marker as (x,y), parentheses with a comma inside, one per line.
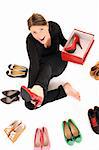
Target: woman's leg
(33,72)
(51,66)
(56,63)
(56,94)
(39,89)
(50,97)
(44,76)
(41,84)
(40,74)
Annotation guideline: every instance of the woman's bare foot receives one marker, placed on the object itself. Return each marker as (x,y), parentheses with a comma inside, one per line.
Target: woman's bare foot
(70,91)
(38,90)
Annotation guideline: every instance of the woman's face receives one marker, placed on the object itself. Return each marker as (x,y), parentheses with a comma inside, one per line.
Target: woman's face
(40,32)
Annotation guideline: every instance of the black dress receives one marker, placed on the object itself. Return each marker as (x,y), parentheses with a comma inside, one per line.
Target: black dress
(46,63)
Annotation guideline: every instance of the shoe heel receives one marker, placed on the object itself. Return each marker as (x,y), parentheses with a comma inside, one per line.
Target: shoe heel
(79,44)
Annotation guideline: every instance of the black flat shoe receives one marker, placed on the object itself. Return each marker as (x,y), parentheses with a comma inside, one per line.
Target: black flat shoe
(17,67)
(8,100)
(93,120)
(11,93)
(17,75)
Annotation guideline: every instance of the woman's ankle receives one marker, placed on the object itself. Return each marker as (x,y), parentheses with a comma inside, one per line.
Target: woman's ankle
(70,91)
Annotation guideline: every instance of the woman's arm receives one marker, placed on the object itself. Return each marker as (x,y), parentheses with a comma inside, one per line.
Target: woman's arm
(62,38)
(34,61)
(31,49)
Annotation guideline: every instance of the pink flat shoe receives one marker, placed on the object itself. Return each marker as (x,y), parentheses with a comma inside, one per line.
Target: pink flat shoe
(46,142)
(38,139)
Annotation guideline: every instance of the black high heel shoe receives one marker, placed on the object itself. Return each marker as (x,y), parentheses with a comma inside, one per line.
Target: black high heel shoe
(8,100)
(11,93)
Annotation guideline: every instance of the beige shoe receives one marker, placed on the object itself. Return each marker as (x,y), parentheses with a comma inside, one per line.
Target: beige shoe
(17,67)
(16,132)
(12,126)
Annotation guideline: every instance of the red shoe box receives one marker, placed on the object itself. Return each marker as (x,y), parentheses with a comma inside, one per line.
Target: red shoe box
(79,56)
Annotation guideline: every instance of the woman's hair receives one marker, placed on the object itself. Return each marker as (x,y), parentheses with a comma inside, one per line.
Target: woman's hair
(36,19)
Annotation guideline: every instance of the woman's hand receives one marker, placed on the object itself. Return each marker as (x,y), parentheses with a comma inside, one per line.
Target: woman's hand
(47,41)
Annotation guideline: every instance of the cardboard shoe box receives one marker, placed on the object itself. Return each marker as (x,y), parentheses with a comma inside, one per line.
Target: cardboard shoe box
(79,56)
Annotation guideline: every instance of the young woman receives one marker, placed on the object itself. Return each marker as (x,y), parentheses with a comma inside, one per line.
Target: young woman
(45,63)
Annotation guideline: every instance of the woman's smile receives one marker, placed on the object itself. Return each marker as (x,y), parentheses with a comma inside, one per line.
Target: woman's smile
(42,39)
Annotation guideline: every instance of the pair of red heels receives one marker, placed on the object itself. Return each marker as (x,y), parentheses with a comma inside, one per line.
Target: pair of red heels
(29,96)
(41,139)
(72,47)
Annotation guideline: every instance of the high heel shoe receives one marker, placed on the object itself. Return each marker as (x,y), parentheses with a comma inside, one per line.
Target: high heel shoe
(11,93)
(38,139)
(75,131)
(46,141)
(8,100)
(29,96)
(72,47)
(67,133)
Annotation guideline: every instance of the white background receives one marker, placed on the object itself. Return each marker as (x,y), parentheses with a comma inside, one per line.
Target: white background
(69,14)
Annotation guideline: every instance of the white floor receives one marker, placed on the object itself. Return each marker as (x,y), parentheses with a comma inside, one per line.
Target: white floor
(70,14)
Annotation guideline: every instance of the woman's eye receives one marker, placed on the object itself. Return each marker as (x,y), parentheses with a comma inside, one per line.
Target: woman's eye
(34,32)
(41,29)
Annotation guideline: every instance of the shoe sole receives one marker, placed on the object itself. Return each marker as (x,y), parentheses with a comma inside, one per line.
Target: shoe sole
(25,95)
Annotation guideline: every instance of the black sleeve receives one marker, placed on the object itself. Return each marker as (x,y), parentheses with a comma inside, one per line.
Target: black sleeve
(34,61)
(31,49)
(62,38)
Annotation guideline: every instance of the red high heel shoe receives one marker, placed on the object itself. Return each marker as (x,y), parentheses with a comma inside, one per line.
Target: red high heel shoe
(27,95)
(72,47)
